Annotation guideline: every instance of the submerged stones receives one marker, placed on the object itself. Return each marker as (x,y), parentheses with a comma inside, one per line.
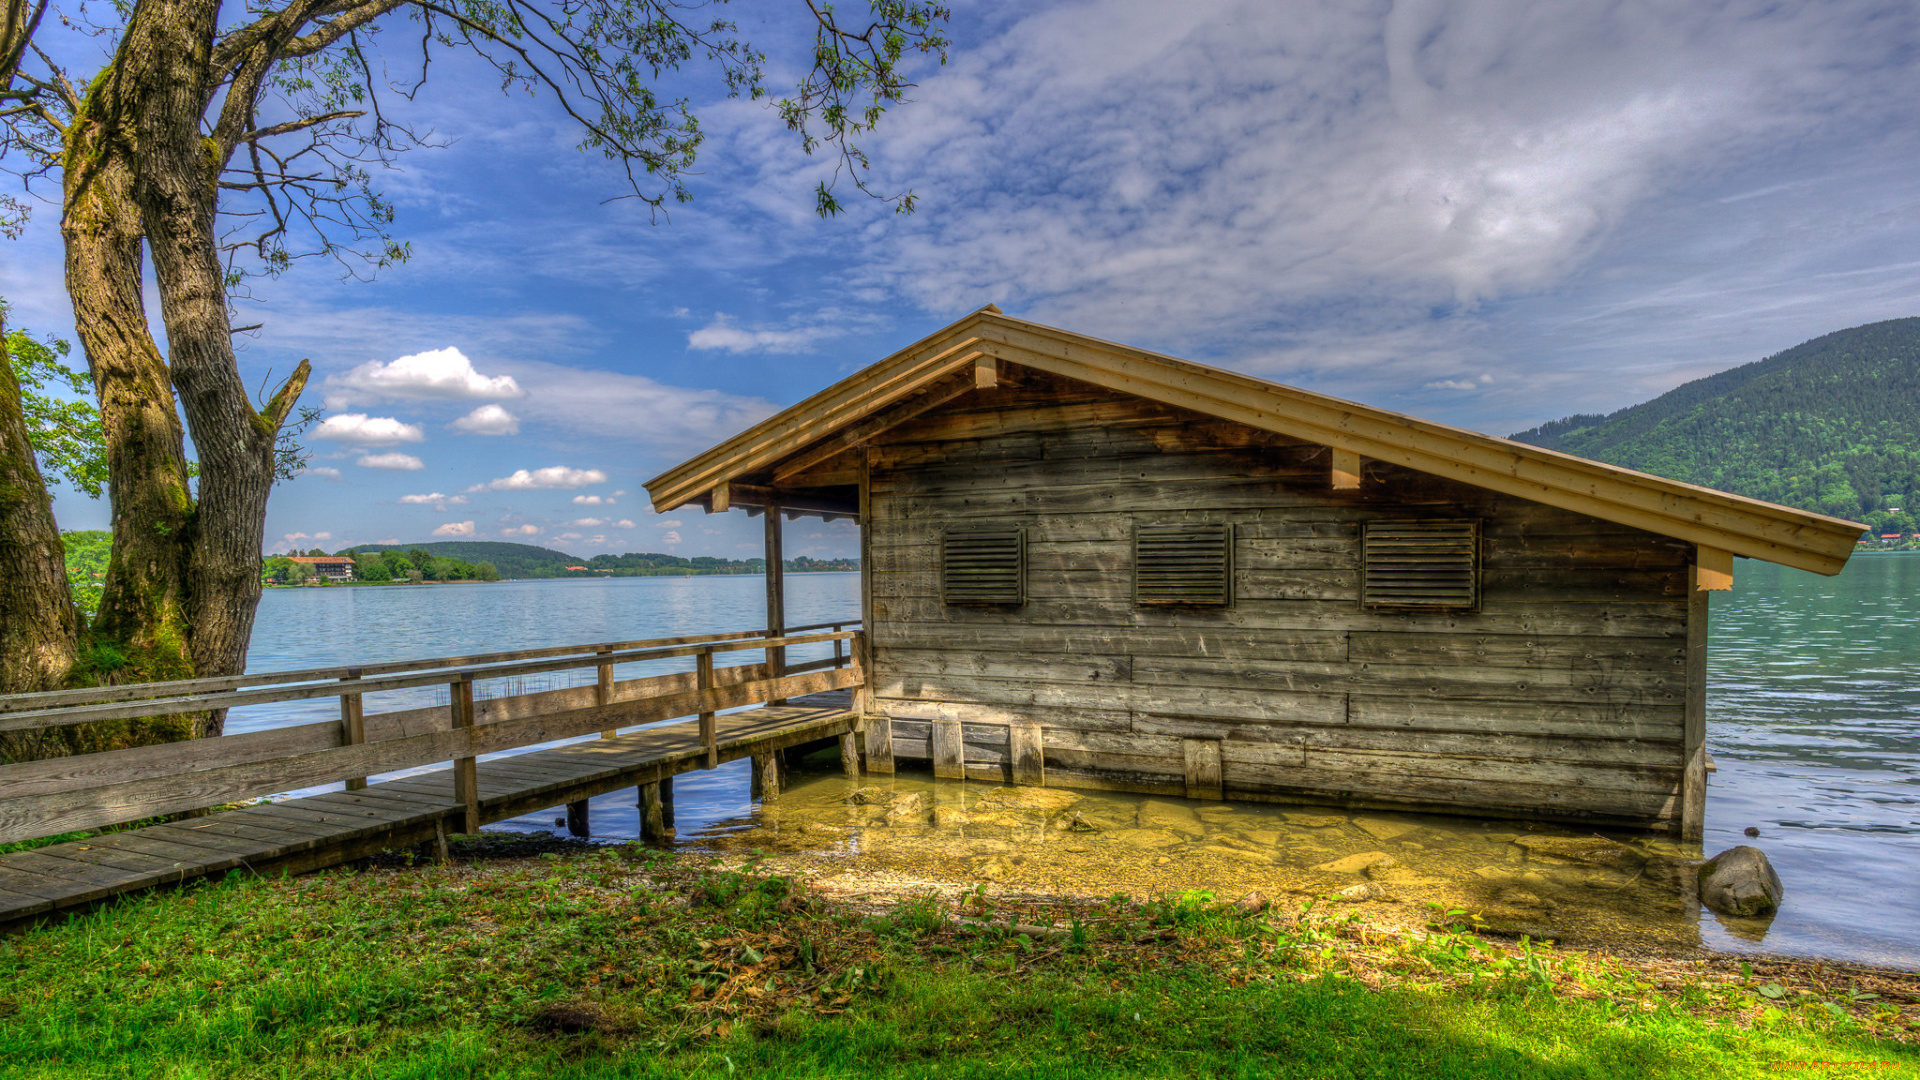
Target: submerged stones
(1384,829)
(1587,850)
(1357,864)
(1160,814)
(1314,821)
(908,808)
(1741,882)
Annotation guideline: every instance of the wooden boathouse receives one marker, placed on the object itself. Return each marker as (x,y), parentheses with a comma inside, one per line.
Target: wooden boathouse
(1090,565)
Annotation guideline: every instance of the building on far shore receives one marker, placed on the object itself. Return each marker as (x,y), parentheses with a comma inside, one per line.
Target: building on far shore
(331,567)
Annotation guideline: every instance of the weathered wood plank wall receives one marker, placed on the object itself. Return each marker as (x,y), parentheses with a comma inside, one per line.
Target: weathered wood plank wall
(1564,695)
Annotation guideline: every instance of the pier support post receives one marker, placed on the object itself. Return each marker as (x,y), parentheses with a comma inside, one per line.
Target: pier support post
(466,777)
(1025,748)
(948,750)
(353,725)
(1202,761)
(879,735)
(766,777)
(440,852)
(776,599)
(654,826)
(850,756)
(709,726)
(603,688)
(577,819)
(666,801)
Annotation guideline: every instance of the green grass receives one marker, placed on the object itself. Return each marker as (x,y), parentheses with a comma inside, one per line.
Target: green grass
(613,965)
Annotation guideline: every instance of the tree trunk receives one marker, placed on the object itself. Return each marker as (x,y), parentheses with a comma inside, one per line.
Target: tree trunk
(143,605)
(39,629)
(165,62)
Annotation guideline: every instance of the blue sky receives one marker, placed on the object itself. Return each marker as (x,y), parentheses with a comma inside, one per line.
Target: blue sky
(1490,214)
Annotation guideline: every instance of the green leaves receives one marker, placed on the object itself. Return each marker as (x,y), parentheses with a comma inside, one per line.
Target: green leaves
(65,434)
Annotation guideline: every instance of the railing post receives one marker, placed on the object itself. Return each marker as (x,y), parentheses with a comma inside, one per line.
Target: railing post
(709,727)
(839,656)
(603,690)
(466,775)
(353,725)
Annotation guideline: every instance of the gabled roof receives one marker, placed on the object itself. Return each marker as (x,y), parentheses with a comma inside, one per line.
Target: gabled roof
(858,407)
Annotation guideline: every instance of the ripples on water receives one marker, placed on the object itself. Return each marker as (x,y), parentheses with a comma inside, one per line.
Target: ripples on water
(1814,720)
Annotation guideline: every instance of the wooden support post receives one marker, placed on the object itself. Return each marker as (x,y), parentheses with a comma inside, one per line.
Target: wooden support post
(1346,470)
(1693,776)
(441,853)
(353,725)
(776,599)
(1713,570)
(720,499)
(863,692)
(766,777)
(839,653)
(879,739)
(666,802)
(577,824)
(466,775)
(1029,760)
(986,373)
(653,815)
(850,755)
(709,725)
(1202,768)
(948,752)
(603,689)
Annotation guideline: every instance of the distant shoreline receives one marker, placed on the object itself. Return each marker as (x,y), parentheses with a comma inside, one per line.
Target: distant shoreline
(502,581)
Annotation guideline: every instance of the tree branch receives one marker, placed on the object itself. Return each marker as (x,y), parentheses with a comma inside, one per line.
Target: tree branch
(281,405)
(292,126)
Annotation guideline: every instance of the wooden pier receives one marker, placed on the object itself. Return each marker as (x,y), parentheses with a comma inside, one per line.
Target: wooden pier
(49,798)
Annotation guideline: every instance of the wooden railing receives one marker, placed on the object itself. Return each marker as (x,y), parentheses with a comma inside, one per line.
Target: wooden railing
(45,798)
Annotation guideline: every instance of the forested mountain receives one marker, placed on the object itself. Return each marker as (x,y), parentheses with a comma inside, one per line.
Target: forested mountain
(529,561)
(1831,425)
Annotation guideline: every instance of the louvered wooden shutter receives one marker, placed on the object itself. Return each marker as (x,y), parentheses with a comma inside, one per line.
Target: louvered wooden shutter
(1422,564)
(1183,564)
(984,567)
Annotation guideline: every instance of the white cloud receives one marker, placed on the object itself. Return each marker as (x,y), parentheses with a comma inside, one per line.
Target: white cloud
(555,476)
(671,524)
(433,499)
(438,373)
(588,523)
(721,333)
(670,538)
(323,536)
(521,530)
(360,429)
(623,523)
(488,420)
(568,536)
(292,536)
(325,472)
(603,404)
(395,462)
(591,500)
(455,528)
(1459,384)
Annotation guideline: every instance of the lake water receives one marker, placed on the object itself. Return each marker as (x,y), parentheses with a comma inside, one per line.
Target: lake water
(1814,721)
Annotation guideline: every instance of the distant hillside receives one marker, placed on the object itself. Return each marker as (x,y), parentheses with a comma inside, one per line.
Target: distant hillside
(1832,425)
(529,561)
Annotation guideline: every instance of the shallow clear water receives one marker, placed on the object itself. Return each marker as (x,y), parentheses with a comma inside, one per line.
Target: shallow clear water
(1814,720)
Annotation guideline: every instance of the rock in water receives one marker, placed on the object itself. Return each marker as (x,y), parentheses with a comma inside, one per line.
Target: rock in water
(1591,850)
(1740,881)
(908,809)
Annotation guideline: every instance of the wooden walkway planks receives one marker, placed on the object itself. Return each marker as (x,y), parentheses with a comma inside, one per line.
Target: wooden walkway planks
(305,834)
